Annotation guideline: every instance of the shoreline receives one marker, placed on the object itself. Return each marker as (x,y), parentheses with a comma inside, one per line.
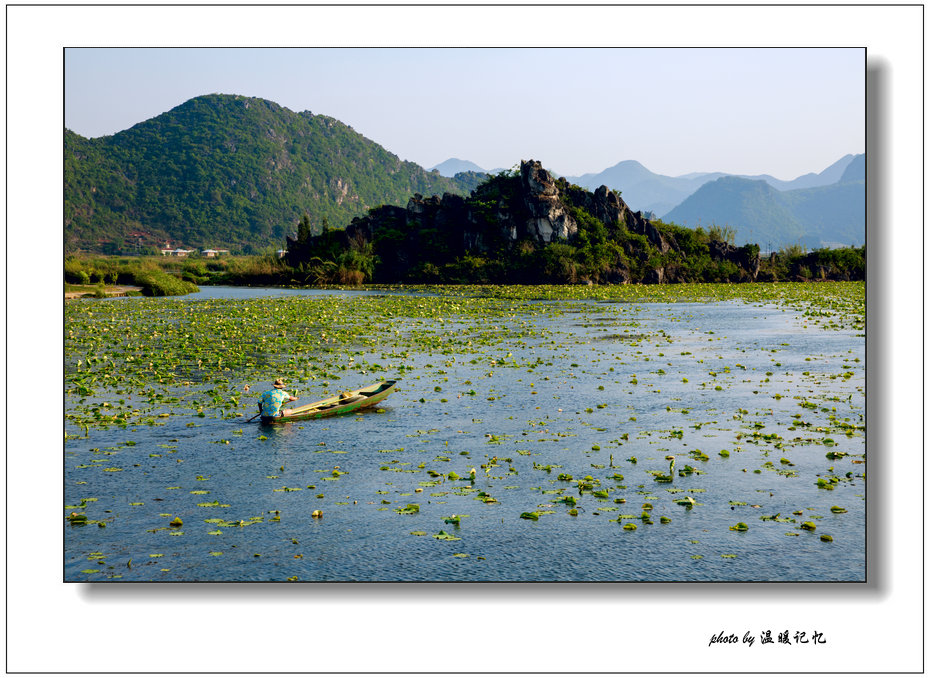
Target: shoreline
(110,290)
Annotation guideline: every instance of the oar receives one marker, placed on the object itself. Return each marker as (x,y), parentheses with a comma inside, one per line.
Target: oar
(296,396)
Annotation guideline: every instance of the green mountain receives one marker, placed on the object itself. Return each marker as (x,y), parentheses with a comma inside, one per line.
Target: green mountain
(823,216)
(834,216)
(234,172)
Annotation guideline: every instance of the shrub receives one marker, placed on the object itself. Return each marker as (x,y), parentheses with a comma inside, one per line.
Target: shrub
(75,272)
(157,283)
(559,265)
(348,276)
(195,271)
(790,252)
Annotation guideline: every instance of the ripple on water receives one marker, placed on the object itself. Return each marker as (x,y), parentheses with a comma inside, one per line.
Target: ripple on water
(580,393)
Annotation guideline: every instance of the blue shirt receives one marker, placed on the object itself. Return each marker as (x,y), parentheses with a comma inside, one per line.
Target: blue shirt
(272,400)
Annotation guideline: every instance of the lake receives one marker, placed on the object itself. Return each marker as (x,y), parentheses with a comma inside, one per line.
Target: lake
(686,433)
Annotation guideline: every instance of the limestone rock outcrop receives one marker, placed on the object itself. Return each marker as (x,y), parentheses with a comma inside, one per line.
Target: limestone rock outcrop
(548,219)
(745,257)
(532,209)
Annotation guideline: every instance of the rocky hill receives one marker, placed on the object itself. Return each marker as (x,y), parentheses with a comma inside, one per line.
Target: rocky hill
(520,227)
(227,171)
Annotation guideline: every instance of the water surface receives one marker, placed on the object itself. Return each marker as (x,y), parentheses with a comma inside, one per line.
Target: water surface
(534,396)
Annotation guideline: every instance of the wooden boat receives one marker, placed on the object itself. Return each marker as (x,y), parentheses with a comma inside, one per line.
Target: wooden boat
(343,403)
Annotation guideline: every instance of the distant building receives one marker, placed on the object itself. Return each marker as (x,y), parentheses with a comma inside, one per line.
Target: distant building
(210,254)
(177,252)
(281,253)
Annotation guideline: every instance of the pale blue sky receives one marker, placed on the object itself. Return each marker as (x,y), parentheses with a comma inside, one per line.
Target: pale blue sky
(783,112)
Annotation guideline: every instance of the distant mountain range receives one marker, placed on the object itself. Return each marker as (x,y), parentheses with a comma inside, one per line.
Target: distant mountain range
(453,166)
(824,215)
(236,172)
(645,190)
(815,210)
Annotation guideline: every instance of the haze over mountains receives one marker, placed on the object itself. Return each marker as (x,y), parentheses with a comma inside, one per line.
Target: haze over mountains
(817,209)
(228,171)
(825,215)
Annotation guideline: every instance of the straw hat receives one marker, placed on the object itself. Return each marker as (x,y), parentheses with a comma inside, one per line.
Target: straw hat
(279,383)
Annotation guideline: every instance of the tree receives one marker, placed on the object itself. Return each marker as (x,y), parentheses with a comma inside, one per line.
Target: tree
(303,229)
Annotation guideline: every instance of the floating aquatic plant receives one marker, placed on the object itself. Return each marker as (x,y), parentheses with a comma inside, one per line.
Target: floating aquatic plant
(409,509)
(409,326)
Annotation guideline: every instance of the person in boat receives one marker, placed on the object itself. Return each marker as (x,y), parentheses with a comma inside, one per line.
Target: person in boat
(271,401)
